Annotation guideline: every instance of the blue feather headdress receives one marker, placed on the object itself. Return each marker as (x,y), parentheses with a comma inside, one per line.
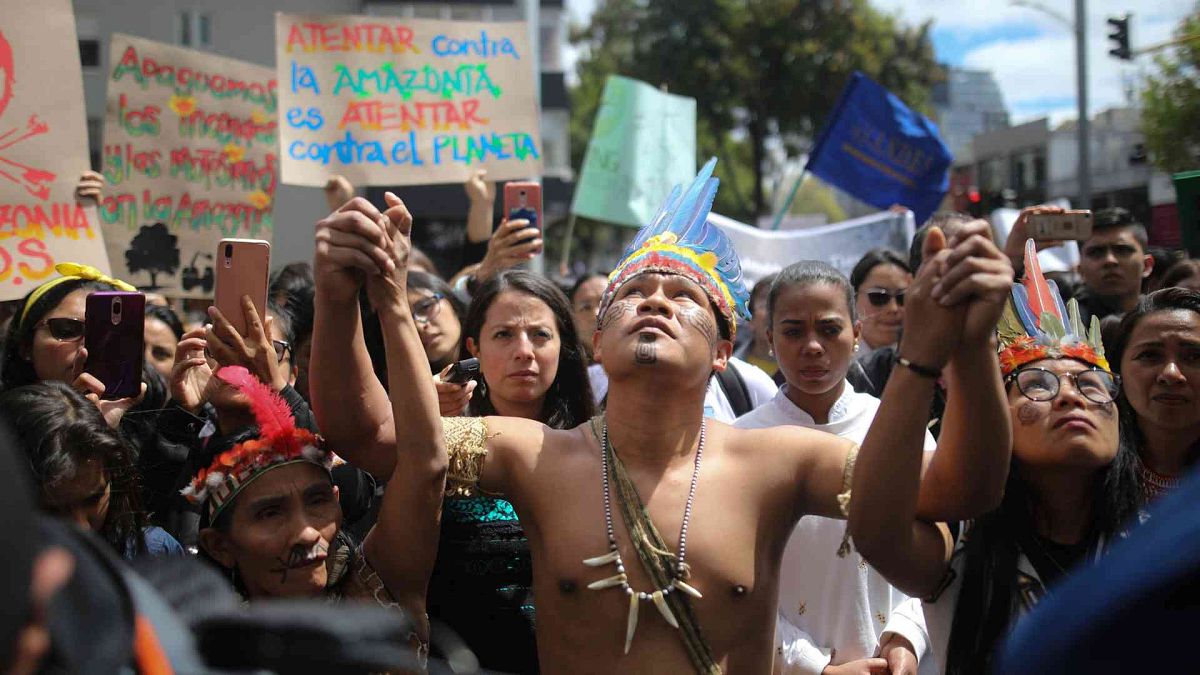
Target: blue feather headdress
(680,240)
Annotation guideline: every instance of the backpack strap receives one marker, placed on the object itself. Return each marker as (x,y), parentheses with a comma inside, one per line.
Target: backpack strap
(735,389)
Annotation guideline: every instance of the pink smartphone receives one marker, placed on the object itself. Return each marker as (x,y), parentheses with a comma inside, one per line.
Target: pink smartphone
(115,322)
(523,200)
(242,269)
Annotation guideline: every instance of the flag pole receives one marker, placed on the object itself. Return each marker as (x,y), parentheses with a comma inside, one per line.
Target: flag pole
(570,237)
(790,198)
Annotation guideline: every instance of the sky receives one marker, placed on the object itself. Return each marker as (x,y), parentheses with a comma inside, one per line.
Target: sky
(1031,54)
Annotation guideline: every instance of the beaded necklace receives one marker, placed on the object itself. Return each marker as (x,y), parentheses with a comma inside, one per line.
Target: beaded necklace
(620,579)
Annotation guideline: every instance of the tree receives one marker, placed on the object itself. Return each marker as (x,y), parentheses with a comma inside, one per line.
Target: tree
(758,69)
(1171,103)
(154,250)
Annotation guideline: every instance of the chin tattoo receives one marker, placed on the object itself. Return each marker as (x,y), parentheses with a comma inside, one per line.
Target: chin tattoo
(647,350)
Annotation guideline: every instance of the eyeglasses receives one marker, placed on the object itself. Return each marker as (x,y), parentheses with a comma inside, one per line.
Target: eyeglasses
(1039,384)
(63,328)
(426,310)
(879,297)
(281,350)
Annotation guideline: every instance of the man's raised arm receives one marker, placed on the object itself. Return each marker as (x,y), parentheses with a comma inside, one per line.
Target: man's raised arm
(402,547)
(351,406)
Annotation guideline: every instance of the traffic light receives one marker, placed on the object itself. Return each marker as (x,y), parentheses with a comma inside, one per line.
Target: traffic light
(974,202)
(1119,36)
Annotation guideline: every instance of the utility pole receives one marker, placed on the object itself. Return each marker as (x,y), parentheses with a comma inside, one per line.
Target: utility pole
(1084,125)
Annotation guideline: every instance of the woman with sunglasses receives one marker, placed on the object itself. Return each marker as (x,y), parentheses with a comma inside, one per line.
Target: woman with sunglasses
(829,606)
(879,279)
(1157,353)
(45,338)
(1072,484)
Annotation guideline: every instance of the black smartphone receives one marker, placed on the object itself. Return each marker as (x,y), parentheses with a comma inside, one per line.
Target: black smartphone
(114,326)
(462,371)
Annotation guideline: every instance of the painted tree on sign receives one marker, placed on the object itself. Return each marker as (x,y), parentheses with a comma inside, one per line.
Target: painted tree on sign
(154,250)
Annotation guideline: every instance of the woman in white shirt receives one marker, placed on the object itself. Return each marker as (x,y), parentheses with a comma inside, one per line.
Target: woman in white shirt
(836,614)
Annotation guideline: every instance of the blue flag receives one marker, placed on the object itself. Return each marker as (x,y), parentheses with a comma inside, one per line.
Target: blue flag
(881,151)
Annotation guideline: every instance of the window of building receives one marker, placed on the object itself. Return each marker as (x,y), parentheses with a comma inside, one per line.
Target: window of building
(89,52)
(425,11)
(466,12)
(195,29)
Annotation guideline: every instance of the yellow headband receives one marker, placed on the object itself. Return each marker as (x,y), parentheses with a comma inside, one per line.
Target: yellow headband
(71,271)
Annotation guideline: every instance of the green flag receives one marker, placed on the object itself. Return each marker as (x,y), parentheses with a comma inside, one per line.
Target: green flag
(643,144)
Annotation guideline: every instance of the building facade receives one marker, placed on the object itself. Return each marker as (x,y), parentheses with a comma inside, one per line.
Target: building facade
(967,103)
(246,30)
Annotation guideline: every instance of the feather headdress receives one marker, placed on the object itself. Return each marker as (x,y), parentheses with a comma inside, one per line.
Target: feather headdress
(1037,325)
(680,240)
(279,443)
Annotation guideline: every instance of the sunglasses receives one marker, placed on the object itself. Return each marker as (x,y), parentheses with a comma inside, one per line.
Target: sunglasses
(879,297)
(1039,384)
(63,328)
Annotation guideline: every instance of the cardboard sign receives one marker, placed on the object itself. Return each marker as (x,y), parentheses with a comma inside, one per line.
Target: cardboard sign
(43,147)
(643,144)
(190,145)
(389,101)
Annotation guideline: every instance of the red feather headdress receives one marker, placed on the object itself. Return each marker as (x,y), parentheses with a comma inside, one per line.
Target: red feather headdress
(279,443)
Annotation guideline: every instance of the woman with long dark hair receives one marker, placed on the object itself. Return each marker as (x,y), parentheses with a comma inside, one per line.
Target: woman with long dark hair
(85,473)
(879,279)
(1157,353)
(532,365)
(1072,484)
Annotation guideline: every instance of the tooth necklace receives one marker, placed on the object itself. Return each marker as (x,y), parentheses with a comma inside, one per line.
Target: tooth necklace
(620,579)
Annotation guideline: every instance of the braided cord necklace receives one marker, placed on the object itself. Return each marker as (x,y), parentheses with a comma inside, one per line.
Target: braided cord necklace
(621,579)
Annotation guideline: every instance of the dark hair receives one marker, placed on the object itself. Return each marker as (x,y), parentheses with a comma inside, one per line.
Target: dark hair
(983,614)
(1117,217)
(283,319)
(569,400)
(168,316)
(947,221)
(872,259)
(1182,269)
(1164,300)
(809,273)
(761,287)
(15,369)
(60,432)
(292,277)
(581,281)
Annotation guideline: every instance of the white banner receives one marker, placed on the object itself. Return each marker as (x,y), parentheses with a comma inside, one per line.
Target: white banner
(765,252)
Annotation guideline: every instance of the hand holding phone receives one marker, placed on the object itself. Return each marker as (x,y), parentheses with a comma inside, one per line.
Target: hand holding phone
(460,372)
(242,269)
(455,385)
(1066,225)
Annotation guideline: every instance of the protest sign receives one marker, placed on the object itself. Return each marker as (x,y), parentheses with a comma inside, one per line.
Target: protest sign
(881,151)
(43,147)
(643,144)
(190,157)
(385,101)
(764,252)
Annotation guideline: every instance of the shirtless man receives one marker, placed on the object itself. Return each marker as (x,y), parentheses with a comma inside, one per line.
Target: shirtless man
(660,339)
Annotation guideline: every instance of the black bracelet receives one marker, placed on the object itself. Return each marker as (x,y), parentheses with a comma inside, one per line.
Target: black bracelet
(923,371)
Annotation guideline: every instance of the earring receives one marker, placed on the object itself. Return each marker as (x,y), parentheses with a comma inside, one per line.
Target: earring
(770,351)
(856,344)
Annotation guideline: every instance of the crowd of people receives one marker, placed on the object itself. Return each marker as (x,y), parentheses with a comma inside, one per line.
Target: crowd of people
(655,468)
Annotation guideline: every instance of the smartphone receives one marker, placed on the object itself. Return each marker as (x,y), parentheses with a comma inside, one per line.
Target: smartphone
(523,201)
(242,269)
(462,371)
(1075,225)
(115,322)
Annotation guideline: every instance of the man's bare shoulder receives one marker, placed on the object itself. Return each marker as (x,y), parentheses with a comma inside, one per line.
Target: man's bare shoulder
(786,440)
(525,439)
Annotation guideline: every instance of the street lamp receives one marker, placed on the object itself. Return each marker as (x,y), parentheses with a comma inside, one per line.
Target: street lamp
(1084,126)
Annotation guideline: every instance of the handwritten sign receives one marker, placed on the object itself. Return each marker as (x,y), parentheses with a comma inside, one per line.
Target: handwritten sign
(405,101)
(643,144)
(190,142)
(43,147)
